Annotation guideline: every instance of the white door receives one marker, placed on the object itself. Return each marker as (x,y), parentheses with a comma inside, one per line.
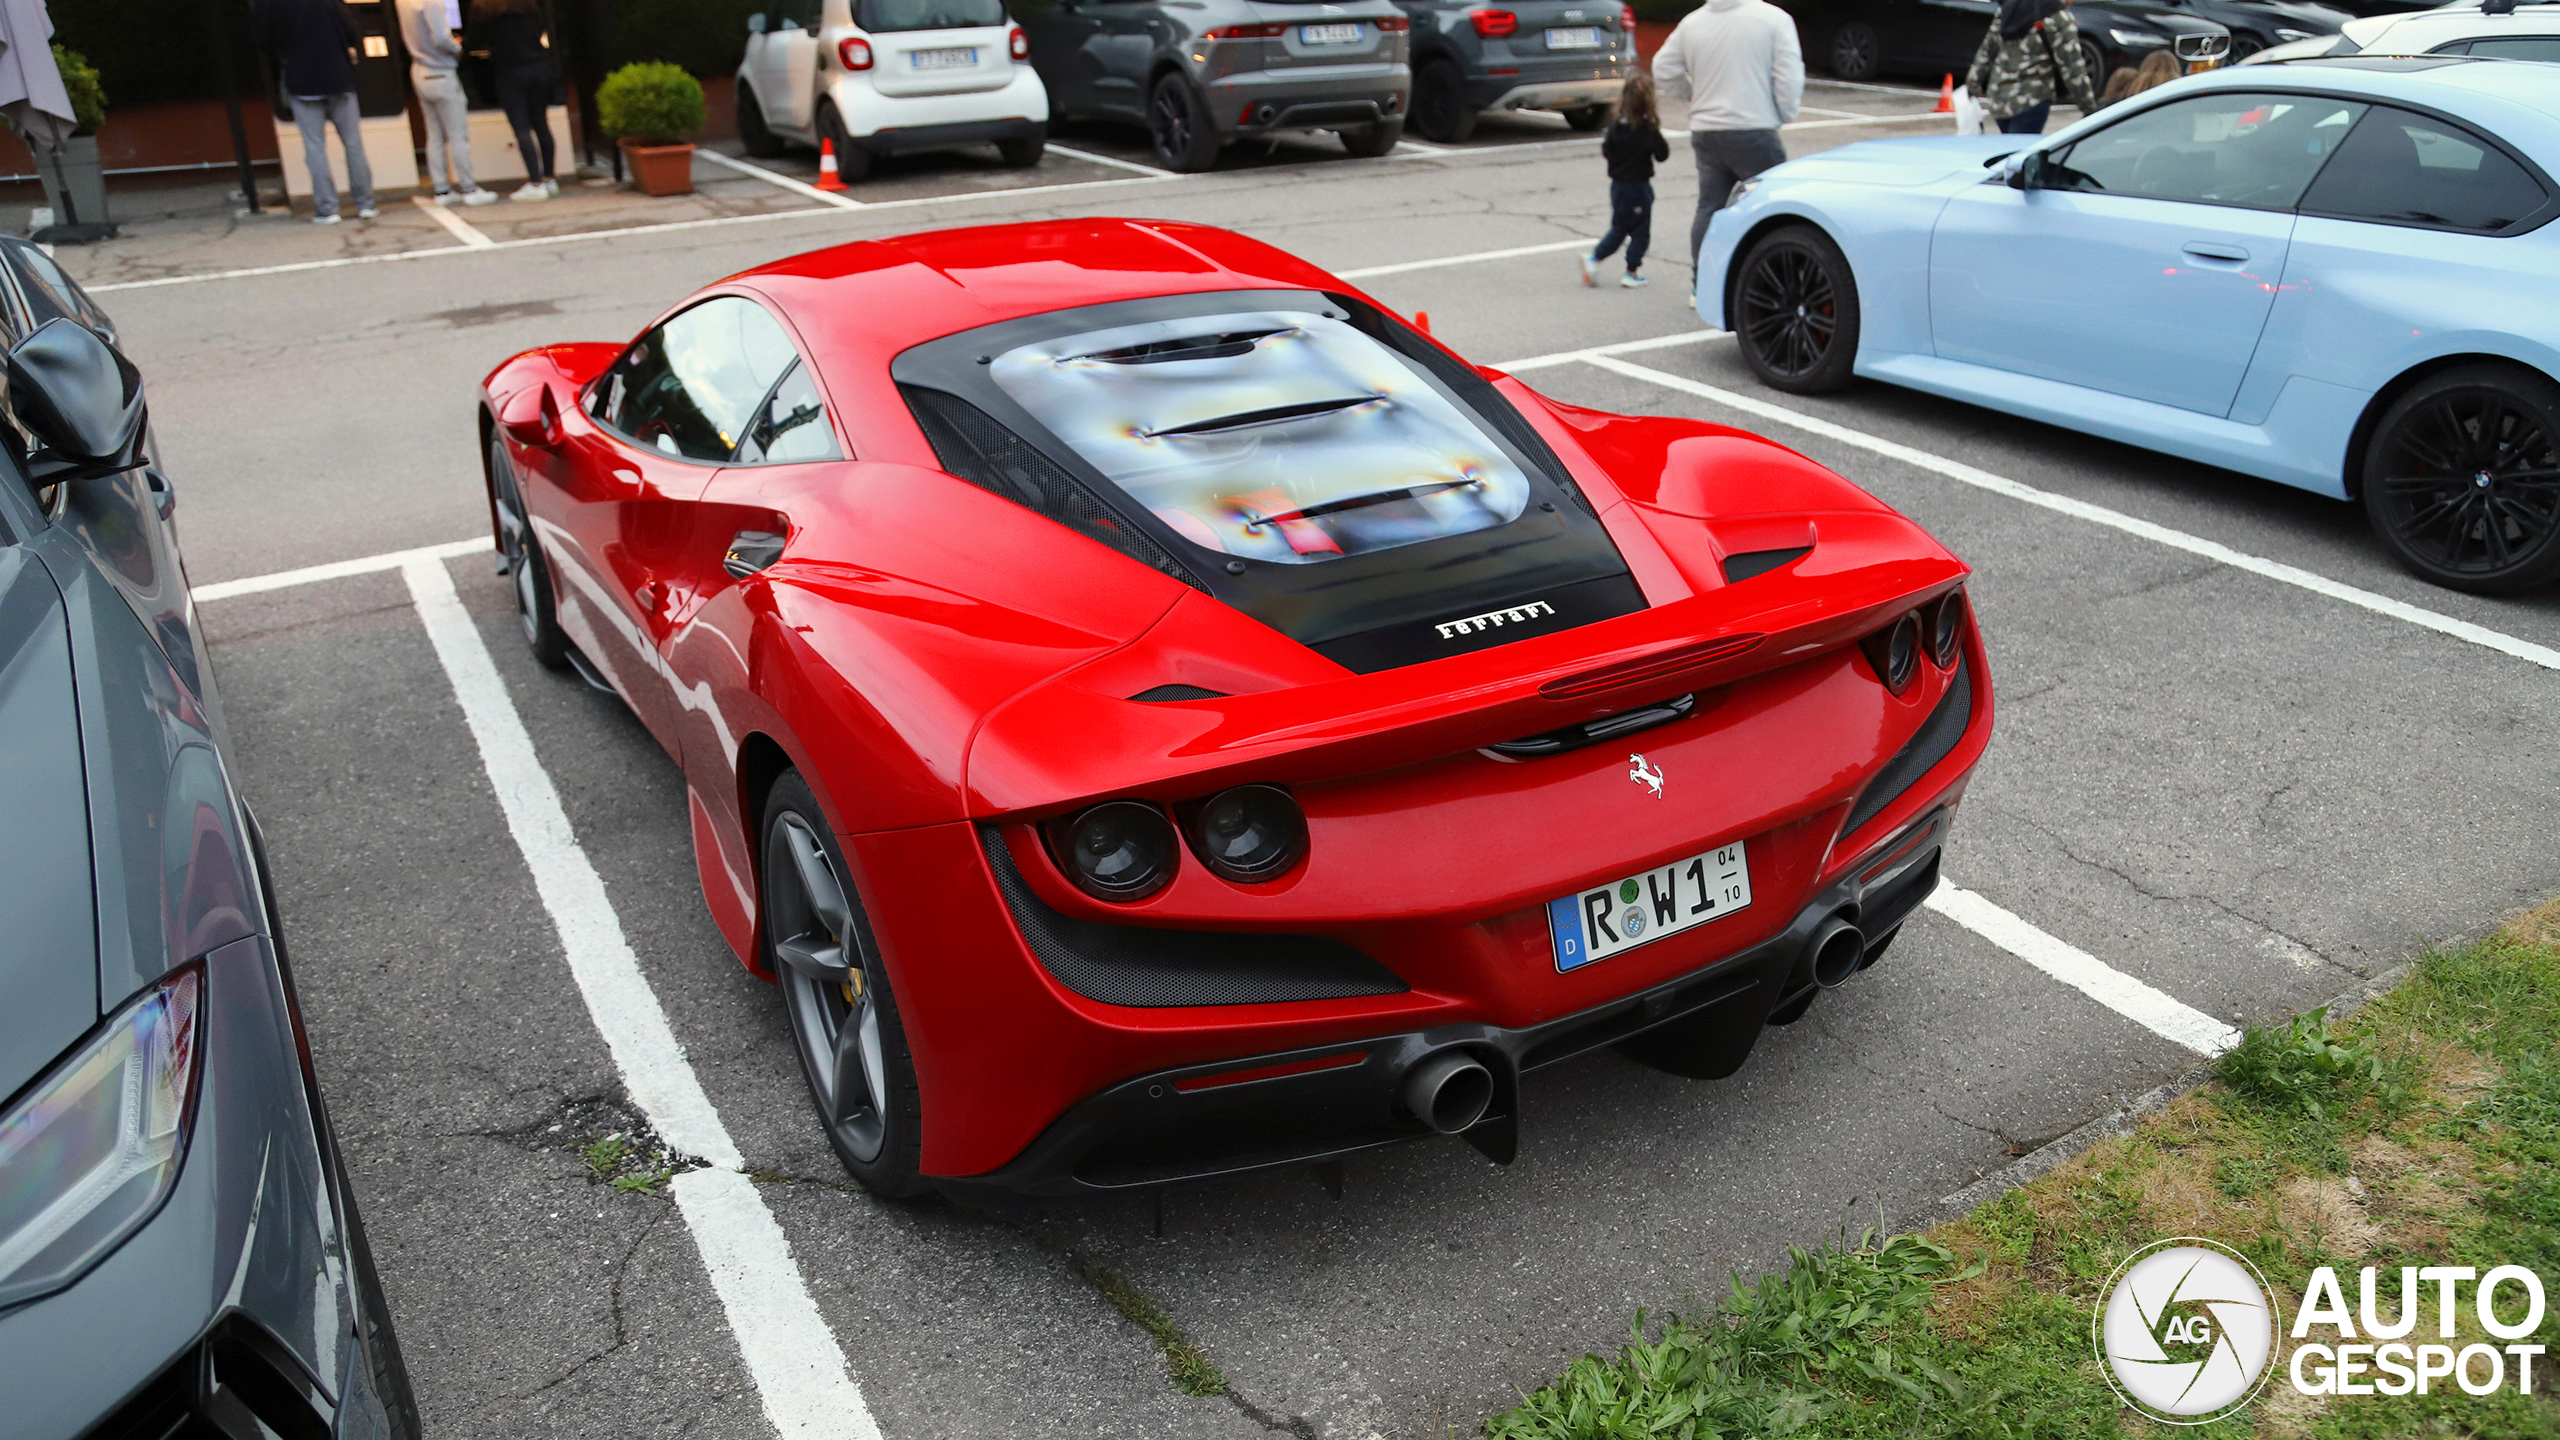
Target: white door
(783,65)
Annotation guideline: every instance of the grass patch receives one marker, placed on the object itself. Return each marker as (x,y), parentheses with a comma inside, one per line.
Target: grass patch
(2424,1130)
(1192,1372)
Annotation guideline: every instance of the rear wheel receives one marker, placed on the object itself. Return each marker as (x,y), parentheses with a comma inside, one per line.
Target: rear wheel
(1372,140)
(520,558)
(2462,479)
(852,161)
(844,1020)
(1795,310)
(1587,117)
(1024,151)
(1441,113)
(753,133)
(1185,139)
(1856,53)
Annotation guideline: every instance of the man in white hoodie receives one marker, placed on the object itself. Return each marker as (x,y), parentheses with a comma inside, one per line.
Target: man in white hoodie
(1738,65)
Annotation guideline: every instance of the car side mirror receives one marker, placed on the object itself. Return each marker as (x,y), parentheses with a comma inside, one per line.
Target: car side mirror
(755,23)
(531,416)
(80,398)
(2028,173)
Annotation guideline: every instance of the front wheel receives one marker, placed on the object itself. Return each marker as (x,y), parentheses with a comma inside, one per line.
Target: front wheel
(1795,310)
(1024,151)
(2462,479)
(844,1017)
(1179,129)
(1587,117)
(520,559)
(1856,53)
(1441,113)
(1373,140)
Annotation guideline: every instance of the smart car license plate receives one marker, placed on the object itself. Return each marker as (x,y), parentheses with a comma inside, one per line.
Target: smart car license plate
(1329,34)
(1641,909)
(959,59)
(1576,37)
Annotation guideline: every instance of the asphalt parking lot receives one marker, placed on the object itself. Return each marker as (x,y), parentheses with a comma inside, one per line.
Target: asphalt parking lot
(2227,783)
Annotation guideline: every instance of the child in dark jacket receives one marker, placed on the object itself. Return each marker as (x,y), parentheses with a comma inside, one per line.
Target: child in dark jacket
(1632,147)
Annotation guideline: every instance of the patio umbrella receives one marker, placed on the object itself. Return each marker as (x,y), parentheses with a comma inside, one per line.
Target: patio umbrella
(31,93)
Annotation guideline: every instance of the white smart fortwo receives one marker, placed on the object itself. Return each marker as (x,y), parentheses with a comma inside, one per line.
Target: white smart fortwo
(881,76)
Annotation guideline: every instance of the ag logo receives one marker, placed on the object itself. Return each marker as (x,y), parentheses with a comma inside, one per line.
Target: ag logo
(2185,1330)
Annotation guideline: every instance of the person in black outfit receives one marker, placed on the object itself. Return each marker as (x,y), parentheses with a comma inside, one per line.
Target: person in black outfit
(519,50)
(1633,146)
(314,45)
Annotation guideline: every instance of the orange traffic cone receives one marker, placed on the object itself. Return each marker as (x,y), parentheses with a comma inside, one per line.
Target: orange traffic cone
(1422,321)
(1946,98)
(828,179)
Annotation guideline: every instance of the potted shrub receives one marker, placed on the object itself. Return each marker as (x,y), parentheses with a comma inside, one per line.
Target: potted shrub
(75,184)
(649,108)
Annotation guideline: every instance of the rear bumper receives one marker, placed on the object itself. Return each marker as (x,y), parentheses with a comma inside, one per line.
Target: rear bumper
(1260,101)
(868,113)
(932,137)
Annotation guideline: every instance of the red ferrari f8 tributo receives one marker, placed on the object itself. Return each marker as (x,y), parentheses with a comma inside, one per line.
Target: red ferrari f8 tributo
(1157,714)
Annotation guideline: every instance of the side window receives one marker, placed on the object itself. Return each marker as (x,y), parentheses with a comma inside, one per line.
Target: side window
(802,13)
(689,387)
(792,425)
(2257,151)
(2519,47)
(2405,169)
(50,293)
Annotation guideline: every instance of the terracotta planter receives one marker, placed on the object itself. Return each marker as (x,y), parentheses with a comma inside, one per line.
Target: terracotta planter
(660,169)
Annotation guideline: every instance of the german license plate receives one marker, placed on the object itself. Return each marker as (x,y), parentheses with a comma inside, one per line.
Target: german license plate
(1609,919)
(1329,34)
(1574,37)
(959,59)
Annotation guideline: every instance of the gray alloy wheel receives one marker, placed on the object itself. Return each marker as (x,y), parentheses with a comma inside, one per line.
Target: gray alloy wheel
(2462,479)
(1185,139)
(753,133)
(520,560)
(1856,53)
(1795,311)
(844,1021)
(1441,113)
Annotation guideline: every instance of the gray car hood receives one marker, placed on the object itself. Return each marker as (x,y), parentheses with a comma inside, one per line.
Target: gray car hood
(48,945)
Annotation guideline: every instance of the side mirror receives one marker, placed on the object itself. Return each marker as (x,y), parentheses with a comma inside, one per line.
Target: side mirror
(78,396)
(531,416)
(2028,172)
(755,23)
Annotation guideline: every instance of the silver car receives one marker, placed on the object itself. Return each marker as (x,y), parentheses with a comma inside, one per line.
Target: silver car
(1198,73)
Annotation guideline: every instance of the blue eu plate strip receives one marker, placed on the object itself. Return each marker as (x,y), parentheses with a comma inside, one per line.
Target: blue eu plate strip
(1564,922)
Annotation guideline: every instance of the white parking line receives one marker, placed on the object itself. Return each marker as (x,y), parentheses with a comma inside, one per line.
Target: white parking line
(798,1368)
(786,182)
(2150,1008)
(1400,267)
(1156,172)
(1622,347)
(340,569)
(1864,120)
(1424,148)
(468,234)
(2275,570)
(1862,85)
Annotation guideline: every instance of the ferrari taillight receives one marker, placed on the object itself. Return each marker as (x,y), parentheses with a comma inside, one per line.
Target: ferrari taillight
(1017,44)
(1946,628)
(1894,651)
(1493,24)
(1250,833)
(854,53)
(1119,850)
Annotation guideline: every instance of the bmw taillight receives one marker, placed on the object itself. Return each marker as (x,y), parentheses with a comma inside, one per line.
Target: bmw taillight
(1248,32)
(1493,24)
(1894,651)
(1394,24)
(853,53)
(1017,44)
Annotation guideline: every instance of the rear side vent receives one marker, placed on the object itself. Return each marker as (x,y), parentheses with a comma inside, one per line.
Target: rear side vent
(1738,568)
(1162,693)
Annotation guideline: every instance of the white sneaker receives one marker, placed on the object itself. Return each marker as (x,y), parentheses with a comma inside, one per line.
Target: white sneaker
(324,219)
(1632,281)
(1590,271)
(533,190)
(446,197)
(479,197)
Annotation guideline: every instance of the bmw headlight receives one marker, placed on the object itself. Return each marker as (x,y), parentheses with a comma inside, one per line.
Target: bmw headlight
(2287,33)
(2137,39)
(1741,190)
(90,1152)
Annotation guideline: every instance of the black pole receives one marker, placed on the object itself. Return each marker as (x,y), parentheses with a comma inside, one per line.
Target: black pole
(231,103)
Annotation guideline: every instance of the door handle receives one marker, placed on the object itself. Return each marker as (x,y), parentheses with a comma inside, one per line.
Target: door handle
(751,551)
(166,497)
(648,596)
(2206,251)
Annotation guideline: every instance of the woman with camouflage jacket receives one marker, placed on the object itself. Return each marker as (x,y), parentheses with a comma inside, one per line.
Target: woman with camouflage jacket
(2029,58)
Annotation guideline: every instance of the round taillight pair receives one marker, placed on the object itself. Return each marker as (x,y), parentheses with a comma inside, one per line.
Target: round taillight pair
(853,53)
(1124,850)
(1946,628)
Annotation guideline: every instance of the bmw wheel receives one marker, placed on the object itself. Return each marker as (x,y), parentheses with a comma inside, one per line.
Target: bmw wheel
(844,1019)
(520,560)
(1441,113)
(1795,310)
(1179,127)
(1856,53)
(753,133)
(2462,479)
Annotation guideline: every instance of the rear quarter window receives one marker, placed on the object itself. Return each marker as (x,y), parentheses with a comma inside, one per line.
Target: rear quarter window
(2402,168)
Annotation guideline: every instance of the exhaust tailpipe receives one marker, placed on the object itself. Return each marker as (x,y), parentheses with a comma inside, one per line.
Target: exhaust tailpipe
(1448,1091)
(1266,114)
(1838,950)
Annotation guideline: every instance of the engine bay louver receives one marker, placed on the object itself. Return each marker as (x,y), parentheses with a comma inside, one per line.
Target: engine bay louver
(1738,568)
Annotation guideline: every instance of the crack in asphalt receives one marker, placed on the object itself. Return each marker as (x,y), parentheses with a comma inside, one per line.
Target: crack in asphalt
(621,1335)
(1297,1425)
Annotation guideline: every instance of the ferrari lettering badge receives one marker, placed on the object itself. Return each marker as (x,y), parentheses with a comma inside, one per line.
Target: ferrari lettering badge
(1508,615)
(1645,774)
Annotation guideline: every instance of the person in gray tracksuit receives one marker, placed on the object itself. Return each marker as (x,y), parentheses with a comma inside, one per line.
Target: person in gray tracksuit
(1740,68)
(428,28)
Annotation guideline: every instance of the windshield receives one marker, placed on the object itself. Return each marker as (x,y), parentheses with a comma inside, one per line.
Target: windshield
(883,15)
(1281,436)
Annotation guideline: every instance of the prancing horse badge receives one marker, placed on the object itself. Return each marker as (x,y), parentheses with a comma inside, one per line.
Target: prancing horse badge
(1644,774)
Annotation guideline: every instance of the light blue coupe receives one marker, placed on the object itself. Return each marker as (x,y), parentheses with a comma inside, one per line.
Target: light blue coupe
(2339,274)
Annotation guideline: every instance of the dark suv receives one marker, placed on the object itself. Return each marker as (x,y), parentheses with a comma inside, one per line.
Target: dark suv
(1198,73)
(1566,55)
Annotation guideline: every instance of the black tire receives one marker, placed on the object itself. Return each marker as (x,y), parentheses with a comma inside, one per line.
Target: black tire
(852,161)
(1374,139)
(1709,1045)
(1441,112)
(844,1016)
(528,575)
(753,133)
(1795,311)
(1023,152)
(2462,479)
(1856,52)
(1179,129)
(2095,61)
(1587,117)
(2242,47)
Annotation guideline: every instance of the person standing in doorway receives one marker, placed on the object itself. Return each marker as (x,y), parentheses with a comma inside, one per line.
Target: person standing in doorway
(1738,65)
(519,47)
(432,29)
(1633,146)
(2030,57)
(314,43)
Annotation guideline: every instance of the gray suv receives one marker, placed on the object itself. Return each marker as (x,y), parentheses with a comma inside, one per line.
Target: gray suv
(1566,55)
(1198,73)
